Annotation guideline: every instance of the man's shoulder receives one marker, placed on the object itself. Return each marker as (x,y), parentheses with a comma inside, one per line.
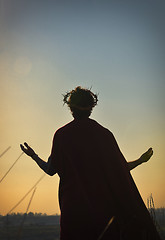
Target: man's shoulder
(64,127)
(101,126)
(91,123)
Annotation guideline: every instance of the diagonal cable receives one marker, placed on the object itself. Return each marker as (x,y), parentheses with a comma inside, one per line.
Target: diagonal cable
(11,167)
(25,215)
(27,193)
(5,151)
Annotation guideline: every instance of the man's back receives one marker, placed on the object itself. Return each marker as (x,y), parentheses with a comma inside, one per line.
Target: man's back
(95,183)
(85,198)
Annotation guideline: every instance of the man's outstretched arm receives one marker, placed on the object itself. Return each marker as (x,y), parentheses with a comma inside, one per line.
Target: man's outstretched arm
(45,166)
(144,158)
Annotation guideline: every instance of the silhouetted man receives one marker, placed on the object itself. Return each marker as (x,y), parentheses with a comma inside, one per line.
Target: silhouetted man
(97,195)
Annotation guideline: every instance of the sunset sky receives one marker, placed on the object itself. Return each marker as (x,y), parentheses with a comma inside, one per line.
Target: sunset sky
(50,47)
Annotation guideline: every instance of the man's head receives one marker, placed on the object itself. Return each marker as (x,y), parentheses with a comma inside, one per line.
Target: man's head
(80,101)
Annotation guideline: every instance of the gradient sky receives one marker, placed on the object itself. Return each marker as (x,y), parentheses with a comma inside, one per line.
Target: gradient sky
(50,47)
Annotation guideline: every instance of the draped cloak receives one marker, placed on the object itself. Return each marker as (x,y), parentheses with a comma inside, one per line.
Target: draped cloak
(96,186)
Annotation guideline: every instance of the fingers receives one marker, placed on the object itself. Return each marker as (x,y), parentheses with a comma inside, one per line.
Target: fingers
(147,155)
(26,149)
(150,151)
(23,148)
(26,145)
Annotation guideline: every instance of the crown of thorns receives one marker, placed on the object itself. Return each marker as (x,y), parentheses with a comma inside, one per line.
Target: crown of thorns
(68,95)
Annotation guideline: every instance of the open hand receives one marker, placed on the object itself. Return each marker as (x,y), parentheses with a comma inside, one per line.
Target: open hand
(28,150)
(147,155)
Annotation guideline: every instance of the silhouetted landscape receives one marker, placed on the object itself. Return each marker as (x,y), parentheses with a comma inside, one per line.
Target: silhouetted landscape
(38,226)
(32,226)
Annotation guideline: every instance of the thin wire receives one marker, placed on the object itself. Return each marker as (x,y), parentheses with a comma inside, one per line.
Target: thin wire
(5,151)
(27,193)
(31,199)
(11,167)
(24,217)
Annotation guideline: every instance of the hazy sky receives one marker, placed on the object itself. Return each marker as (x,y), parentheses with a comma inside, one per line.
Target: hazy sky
(50,47)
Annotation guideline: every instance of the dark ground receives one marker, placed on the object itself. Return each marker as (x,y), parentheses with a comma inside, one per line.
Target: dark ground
(45,232)
(39,227)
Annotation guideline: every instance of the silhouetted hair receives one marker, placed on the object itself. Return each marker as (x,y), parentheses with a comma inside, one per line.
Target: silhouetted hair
(81,101)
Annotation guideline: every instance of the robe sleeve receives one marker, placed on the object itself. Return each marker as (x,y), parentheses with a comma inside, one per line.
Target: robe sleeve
(131,210)
(123,190)
(117,152)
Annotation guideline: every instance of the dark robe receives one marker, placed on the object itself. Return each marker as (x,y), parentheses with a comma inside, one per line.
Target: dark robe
(96,186)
